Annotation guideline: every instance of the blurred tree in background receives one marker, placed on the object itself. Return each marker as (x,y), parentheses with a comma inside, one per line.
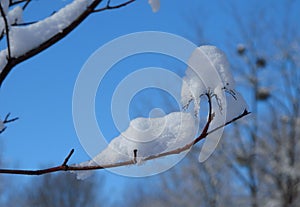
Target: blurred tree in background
(257,161)
(59,189)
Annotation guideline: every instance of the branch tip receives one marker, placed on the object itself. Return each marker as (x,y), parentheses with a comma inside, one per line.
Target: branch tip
(109,7)
(67,158)
(7,120)
(108,4)
(6,117)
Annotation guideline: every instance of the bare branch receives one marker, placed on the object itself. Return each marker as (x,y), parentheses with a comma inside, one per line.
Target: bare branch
(24,23)
(6,30)
(68,157)
(1,35)
(245,113)
(7,120)
(209,120)
(26,4)
(12,3)
(108,7)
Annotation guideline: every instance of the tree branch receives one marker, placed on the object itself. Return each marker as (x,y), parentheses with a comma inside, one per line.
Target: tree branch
(67,158)
(65,167)
(108,7)
(13,61)
(12,3)
(24,23)
(7,31)
(7,120)
(26,4)
(209,120)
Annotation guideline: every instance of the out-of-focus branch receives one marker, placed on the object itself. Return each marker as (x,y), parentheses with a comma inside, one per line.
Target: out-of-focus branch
(65,167)
(8,120)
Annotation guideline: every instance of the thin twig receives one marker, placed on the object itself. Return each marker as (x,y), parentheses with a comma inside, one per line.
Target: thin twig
(6,30)
(245,113)
(68,157)
(108,6)
(2,35)
(108,3)
(3,129)
(7,120)
(26,4)
(209,120)
(12,3)
(24,23)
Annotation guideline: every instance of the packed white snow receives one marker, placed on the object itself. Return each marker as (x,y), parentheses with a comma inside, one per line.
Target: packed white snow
(208,72)
(149,136)
(25,38)
(13,16)
(155,5)
(5,5)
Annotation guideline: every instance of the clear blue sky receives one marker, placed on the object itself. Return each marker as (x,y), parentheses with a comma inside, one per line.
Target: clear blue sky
(39,90)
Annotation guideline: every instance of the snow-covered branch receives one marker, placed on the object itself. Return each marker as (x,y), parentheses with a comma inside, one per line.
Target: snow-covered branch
(23,42)
(65,167)
(207,75)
